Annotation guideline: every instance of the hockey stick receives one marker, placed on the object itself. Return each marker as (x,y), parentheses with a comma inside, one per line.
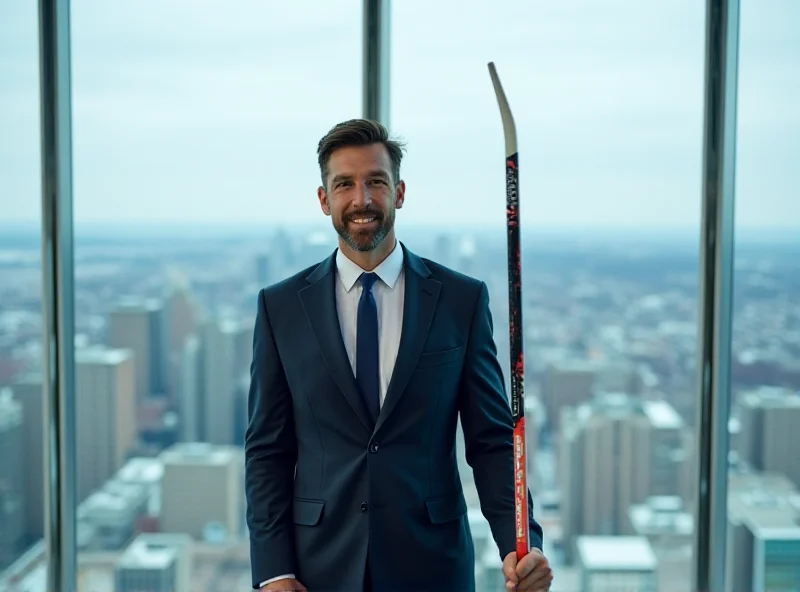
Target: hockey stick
(515,317)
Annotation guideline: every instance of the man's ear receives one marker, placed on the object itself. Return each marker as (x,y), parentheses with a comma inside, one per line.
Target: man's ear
(400,194)
(322,195)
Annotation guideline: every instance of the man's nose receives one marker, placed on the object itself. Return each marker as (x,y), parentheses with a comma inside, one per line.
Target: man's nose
(363,197)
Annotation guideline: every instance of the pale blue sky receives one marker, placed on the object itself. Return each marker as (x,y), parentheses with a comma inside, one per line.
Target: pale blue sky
(211,111)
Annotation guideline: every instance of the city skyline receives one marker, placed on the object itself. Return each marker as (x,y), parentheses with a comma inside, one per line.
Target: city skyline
(610,341)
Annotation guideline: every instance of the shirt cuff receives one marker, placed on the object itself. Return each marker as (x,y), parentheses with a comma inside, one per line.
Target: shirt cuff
(275,579)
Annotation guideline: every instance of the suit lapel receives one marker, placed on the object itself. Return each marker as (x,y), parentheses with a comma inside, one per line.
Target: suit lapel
(420,299)
(319,304)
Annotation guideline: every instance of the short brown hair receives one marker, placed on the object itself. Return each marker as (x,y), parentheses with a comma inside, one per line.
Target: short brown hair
(358,132)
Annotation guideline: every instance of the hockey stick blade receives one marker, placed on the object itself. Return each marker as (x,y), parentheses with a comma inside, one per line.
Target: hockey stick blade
(515,317)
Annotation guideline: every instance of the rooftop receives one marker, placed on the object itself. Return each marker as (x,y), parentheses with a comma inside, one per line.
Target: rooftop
(662,415)
(616,553)
(772,397)
(201,453)
(146,554)
(141,470)
(101,355)
(768,504)
(137,305)
(661,515)
(114,498)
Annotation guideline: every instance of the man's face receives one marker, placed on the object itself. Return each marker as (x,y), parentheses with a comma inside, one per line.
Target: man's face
(361,195)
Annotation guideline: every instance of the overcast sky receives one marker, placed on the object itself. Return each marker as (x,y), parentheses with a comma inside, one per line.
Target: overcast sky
(210,111)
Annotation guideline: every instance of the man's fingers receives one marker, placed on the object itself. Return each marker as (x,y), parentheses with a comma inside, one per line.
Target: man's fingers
(510,568)
(538,580)
(528,564)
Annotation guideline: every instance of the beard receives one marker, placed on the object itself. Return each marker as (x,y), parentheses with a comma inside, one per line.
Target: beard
(364,239)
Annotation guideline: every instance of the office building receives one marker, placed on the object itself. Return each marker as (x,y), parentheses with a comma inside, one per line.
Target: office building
(668,525)
(146,473)
(264,274)
(763,534)
(156,563)
(768,420)
(190,400)
(615,452)
(616,564)
(219,381)
(181,318)
(212,478)
(139,325)
(12,478)
(109,516)
(28,392)
(572,382)
(106,414)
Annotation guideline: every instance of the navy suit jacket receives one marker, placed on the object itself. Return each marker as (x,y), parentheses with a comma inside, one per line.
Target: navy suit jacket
(326,489)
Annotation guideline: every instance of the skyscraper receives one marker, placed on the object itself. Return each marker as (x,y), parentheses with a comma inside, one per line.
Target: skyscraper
(616,564)
(615,452)
(219,381)
(212,477)
(763,534)
(105,412)
(264,275)
(769,417)
(28,392)
(12,478)
(139,325)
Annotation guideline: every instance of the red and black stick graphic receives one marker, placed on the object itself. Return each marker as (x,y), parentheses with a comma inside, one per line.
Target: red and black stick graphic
(515,316)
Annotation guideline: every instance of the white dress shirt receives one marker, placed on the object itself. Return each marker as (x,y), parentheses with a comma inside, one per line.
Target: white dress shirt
(389,295)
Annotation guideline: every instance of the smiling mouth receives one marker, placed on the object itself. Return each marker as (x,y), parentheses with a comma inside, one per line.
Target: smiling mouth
(363,220)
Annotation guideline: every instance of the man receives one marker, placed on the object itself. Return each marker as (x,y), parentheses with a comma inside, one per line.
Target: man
(361,366)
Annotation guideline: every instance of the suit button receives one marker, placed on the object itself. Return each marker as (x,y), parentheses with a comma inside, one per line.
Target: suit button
(374,447)
(364,507)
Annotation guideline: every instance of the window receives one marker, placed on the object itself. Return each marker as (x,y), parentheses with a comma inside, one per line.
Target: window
(608,102)
(194,137)
(194,176)
(764,483)
(22,482)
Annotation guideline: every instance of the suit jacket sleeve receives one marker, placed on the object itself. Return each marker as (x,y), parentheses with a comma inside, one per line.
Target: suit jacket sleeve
(488,432)
(270,458)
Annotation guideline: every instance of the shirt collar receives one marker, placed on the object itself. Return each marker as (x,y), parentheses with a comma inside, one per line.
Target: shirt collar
(388,271)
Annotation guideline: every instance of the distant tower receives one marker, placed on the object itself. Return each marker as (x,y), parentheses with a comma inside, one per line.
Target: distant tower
(214,476)
(12,478)
(263,270)
(614,452)
(105,413)
(140,326)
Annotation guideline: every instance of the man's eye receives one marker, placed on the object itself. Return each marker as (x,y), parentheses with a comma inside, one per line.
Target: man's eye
(378,182)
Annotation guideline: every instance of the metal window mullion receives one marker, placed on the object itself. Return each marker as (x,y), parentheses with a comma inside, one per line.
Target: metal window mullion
(376,60)
(716,292)
(57,295)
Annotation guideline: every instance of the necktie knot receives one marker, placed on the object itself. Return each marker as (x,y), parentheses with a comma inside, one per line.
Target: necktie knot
(368,280)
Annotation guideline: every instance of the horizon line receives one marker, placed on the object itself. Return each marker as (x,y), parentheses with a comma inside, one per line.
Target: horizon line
(246,224)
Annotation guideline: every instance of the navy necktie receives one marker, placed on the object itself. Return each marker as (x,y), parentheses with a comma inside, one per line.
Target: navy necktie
(367,367)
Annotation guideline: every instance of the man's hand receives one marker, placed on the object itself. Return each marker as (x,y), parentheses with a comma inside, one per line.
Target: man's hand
(285,585)
(532,574)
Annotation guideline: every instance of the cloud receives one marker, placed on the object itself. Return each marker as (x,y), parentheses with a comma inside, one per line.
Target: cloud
(213,113)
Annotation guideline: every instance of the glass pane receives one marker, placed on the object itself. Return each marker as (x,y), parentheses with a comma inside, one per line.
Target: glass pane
(764,496)
(22,484)
(608,102)
(195,170)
